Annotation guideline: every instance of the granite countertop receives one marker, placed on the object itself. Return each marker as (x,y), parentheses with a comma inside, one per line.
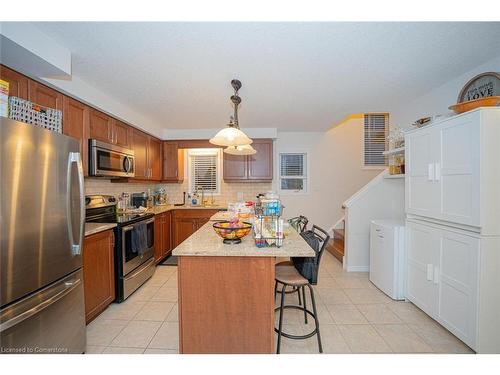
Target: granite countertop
(93,228)
(205,242)
(169,207)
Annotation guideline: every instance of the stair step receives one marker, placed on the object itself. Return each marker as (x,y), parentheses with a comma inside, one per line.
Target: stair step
(336,248)
(339,233)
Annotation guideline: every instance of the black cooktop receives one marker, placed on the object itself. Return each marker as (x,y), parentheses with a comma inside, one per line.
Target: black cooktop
(120,220)
(102,209)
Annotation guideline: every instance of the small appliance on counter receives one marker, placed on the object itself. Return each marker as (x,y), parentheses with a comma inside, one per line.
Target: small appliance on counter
(142,199)
(387,257)
(161,197)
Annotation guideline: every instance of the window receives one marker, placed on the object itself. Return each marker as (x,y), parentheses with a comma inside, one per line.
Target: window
(204,170)
(375,133)
(293,172)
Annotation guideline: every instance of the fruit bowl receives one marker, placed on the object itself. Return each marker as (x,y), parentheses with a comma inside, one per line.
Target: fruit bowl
(232,231)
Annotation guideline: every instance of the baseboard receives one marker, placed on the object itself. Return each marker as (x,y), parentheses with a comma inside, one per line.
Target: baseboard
(358,268)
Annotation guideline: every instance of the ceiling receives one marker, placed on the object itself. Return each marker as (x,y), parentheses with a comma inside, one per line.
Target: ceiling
(296,76)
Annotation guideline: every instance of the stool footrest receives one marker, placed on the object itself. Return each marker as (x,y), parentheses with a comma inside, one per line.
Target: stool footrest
(296,337)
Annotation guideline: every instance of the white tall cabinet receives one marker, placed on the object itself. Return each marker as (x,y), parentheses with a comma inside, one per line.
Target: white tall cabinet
(452,196)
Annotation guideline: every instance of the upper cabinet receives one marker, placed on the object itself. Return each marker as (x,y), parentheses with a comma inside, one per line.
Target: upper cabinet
(147,153)
(456,184)
(155,159)
(121,134)
(44,96)
(18,84)
(100,126)
(260,165)
(173,162)
(75,124)
(140,147)
(252,168)
(107,129)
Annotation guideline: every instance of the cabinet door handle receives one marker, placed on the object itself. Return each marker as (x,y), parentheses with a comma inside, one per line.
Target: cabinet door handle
(430,172)
(430,272)
(436,275)
(437,172)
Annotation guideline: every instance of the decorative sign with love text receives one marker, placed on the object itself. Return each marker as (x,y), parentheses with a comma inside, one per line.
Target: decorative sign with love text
(481,86)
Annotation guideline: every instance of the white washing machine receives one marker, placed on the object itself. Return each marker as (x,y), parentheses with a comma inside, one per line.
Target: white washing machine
(388,257)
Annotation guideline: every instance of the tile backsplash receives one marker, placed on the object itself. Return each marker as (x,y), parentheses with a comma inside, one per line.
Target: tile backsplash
(230,192)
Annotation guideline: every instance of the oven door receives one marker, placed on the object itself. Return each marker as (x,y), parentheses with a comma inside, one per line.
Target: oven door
(110,161)
(133,260)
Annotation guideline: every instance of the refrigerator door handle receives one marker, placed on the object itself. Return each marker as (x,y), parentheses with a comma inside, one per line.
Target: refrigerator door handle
(69,286)
(74,157)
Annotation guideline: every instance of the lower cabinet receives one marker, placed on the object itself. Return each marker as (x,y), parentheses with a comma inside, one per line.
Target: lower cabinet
(163,242)
(442,277)
(98,273)
(186,222)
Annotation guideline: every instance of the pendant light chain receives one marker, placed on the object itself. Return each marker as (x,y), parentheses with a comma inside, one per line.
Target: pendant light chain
(235,141)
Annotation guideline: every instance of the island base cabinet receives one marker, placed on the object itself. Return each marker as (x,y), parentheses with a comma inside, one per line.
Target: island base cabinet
(226,304)
(453,276)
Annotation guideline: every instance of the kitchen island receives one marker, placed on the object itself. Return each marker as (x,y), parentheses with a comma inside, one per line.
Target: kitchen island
(226,292)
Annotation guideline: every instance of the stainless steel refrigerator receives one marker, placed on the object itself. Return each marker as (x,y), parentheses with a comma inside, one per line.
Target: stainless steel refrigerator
(42,216)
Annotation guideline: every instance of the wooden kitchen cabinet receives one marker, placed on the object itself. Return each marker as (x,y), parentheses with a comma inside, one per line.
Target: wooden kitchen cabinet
(163,243)
(18,83)
(106,129)
(185,222)
(44,96)
(122,134)
(98,273)
(75,124)
(260,165)
(100,126)
(140,147)
(235,167)
(173,162)
(148,159)
(155,159)
(251,168)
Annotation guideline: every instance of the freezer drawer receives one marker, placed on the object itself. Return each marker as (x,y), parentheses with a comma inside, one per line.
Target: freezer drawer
(49,321)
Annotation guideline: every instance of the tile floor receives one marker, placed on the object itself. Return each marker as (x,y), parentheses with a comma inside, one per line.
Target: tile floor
(355,317)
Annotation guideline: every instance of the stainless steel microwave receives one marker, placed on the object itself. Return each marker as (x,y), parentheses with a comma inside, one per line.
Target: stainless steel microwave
(106,160)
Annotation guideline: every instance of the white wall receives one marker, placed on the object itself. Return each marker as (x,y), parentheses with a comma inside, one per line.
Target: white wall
(381,198)
(335,170)
(437,100)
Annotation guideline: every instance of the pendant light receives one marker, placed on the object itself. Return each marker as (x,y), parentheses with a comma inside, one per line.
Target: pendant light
(232,135)
(240,150)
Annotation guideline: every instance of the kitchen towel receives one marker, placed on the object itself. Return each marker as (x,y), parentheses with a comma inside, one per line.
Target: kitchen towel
(139,238)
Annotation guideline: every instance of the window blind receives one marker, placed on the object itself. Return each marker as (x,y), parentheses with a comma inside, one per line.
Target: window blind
(204,172)
(292,165)
(375,133)
(293,172)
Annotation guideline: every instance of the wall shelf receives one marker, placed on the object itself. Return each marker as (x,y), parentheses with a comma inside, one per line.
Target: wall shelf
(394,151)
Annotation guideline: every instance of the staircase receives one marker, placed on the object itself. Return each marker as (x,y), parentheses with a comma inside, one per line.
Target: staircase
(336,245)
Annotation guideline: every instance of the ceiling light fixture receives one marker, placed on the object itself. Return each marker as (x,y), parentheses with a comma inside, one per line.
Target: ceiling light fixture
(232,136)
(240,150)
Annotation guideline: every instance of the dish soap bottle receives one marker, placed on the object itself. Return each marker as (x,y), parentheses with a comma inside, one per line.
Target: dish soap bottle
(194,199)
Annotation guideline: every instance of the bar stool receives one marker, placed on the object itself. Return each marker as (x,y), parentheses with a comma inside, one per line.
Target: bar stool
(303,273)
(299,223)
